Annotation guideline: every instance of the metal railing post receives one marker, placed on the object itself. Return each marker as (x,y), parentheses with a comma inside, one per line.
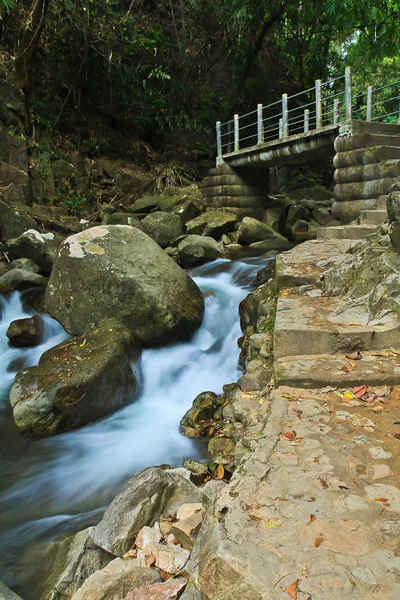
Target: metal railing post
(236,132)
(280,129)
(318,104)
(260,128)
(336,111)
(230,137)
(219,143)
(347,93)
(285,115)
(369,103)
(306,120)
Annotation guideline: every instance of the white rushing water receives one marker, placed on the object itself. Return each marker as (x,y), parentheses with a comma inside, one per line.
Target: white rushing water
(59,484)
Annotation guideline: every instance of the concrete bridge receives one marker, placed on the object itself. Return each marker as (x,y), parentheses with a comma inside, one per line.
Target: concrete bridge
(361,132)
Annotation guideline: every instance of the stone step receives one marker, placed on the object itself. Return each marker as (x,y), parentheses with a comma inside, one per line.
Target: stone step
(337,370)
(366,140)
(345,232)
(382,202)
(373,217)
(365,156)
(319,325)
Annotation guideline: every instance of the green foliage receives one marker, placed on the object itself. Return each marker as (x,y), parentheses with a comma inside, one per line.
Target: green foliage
(75,203)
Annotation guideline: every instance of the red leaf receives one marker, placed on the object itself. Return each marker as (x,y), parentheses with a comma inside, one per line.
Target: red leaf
(360,391)
(289,435)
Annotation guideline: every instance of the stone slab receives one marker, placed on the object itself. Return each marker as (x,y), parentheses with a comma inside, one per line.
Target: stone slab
(345,232)
(373,217)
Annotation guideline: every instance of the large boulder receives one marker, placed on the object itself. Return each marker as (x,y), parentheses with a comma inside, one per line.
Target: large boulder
(251,230)
(150,494)
(162,227)
(78,381)
(71,562)
(196,250)
(119,271)
(39,247)
(213,223)
(116,580)
(13,221)
(7,594)
(174,196)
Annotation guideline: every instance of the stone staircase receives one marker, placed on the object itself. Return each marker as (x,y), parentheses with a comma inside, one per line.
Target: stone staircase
(315,334)
(367,223)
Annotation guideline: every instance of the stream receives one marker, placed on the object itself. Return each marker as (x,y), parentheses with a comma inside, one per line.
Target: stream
(55,486)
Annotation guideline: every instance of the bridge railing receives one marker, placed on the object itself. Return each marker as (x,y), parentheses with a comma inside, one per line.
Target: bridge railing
(325,104)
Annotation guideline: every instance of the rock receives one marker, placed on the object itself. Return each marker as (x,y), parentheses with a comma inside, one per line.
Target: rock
(7,594)
(212,223)
(76,382)
(162,227)
(26,264)
(174,196)
(222,450)
(168,558)
(72,561)
(147,535)
(393,208)
(194,466)
(145,205)
(196,250)
(251,230)
(274,218)
(381,471)
(146,497)
(322,216)
(116,580)
(190,519)
(390,493)
(304,230)
(13,221)
(266,273)
(197,419)
(24,333)
(189,210)
(169,590)
(18,279)
(39,247)
(118,270)
(121,218)
(295,213)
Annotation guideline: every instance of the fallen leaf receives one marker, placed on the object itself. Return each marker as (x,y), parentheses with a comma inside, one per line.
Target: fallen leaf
(311,519)
(292,590)
(360,391)
(318,541)
(384,391)
(71,374)
(220,472)
(261,401)
(377,409)
(323,482)
(356,323)
(272,524)
(256,518)
(348,395)
(289,435)
(83,343)
(381,499)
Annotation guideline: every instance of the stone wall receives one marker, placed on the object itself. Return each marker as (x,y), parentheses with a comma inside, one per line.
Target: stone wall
(366,166)
(240,191)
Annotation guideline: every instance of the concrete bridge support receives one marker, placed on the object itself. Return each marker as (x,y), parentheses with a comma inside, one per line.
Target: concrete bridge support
(243,191)
(366,163)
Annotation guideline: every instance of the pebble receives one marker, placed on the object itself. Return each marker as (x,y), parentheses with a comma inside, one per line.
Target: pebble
(381,471)
(379,452)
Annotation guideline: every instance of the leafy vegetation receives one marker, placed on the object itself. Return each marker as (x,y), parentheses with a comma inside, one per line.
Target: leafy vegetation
(144,67)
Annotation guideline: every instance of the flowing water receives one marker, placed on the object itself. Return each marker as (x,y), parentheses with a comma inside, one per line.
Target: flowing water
(53,486)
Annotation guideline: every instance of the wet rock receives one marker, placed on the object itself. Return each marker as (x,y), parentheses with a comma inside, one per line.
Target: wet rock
(114,269)
(251,230)
(18,279)
(76,382)
(116,580)
(169,590)
(304,230)
(24,333)
(7,594)
(39,247)
(162,227)
(196,250)
(199,417)
(213,224)
(146,497)
(71,562)
(13,221)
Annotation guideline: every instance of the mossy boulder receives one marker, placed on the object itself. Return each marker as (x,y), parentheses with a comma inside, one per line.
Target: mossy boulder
(13,221)
(162,227)
(213,223)
(39,247)
(199,419)
(76,382)
(251,230)
(119,271)
(196,250)
(174,196)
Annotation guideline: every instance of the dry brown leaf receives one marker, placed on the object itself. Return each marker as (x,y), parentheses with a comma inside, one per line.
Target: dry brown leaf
(220,472)
(360,391)
(256,517)
(311,519)
(318,541)
(381,499)
(289,435)
(292,589)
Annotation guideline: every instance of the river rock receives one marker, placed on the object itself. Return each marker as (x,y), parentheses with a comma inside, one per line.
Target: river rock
(116,580)
(13,221)
(145,205)
(190,518)
(19,279)
(170,558)
(39,247)
(169,590)
(162,227)
(196,250)
(72,561)
(213,223)
(174,196)
(26,264)
(251,230)
(76,382)
(146,497)
(25,333)
(200,415)
(121,218)
(7,594)
(119,270)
